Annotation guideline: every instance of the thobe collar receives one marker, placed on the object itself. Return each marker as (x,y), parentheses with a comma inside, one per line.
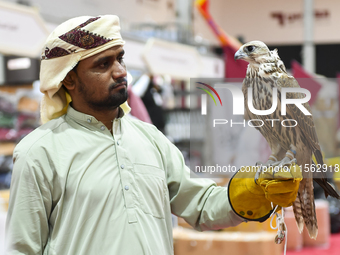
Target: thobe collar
(92,123)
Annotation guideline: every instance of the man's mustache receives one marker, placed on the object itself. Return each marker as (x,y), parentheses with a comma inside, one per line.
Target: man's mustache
(118,82)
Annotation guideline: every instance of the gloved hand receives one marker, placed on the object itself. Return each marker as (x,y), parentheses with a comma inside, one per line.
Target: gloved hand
(252,201)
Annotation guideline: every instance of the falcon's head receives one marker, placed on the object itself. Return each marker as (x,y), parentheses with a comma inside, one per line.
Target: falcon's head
(255,52)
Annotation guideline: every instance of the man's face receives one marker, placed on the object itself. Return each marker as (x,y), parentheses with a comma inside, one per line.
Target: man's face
(101,79)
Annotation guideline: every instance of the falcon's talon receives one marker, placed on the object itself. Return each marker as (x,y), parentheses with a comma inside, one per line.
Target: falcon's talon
(285,164)
(258,172)
(290,163)
(261,166)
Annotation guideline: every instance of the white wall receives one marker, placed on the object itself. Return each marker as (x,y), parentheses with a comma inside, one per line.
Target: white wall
(253,20)
(250,18)
(129,11)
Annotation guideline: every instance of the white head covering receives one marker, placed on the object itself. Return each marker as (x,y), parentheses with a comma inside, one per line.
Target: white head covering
(72,41)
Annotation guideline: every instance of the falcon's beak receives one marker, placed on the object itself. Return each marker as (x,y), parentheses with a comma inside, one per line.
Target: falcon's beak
(239,55)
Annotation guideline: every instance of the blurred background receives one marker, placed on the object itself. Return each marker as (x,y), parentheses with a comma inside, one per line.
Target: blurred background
(169,42)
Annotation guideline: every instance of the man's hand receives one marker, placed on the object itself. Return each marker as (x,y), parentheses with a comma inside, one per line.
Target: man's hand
(253,200)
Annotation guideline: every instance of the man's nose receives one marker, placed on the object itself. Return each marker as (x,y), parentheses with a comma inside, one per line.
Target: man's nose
(119,71)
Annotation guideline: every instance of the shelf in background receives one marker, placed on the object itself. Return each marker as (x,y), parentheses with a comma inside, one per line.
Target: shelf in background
(13,88)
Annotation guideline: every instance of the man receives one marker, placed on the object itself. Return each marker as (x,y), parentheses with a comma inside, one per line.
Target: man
(93,181)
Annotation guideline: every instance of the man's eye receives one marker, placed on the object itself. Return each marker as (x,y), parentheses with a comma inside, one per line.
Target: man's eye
(121,59)
(104,64)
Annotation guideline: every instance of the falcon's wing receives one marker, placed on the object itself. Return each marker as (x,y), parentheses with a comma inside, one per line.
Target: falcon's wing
(305,122)
(272,135)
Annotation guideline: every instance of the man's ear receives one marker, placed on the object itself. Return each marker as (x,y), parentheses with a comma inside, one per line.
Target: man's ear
(70,80)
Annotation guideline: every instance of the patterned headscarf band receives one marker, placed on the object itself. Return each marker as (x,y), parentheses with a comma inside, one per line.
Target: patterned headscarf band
(72,41)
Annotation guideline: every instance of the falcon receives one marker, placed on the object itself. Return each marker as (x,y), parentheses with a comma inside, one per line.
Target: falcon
(288,143)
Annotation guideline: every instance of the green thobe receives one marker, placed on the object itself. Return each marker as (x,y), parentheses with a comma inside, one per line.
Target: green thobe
(78,189)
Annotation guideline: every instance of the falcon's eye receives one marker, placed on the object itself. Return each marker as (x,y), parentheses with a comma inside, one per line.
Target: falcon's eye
(250,48)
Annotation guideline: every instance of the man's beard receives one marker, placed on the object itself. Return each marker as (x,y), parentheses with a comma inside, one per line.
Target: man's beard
(111,102)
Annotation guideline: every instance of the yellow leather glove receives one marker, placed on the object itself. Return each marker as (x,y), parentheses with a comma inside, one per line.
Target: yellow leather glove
(252,201)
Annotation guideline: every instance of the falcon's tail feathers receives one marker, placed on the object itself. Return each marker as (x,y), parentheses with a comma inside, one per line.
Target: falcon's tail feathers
(306,193)
(298,213)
